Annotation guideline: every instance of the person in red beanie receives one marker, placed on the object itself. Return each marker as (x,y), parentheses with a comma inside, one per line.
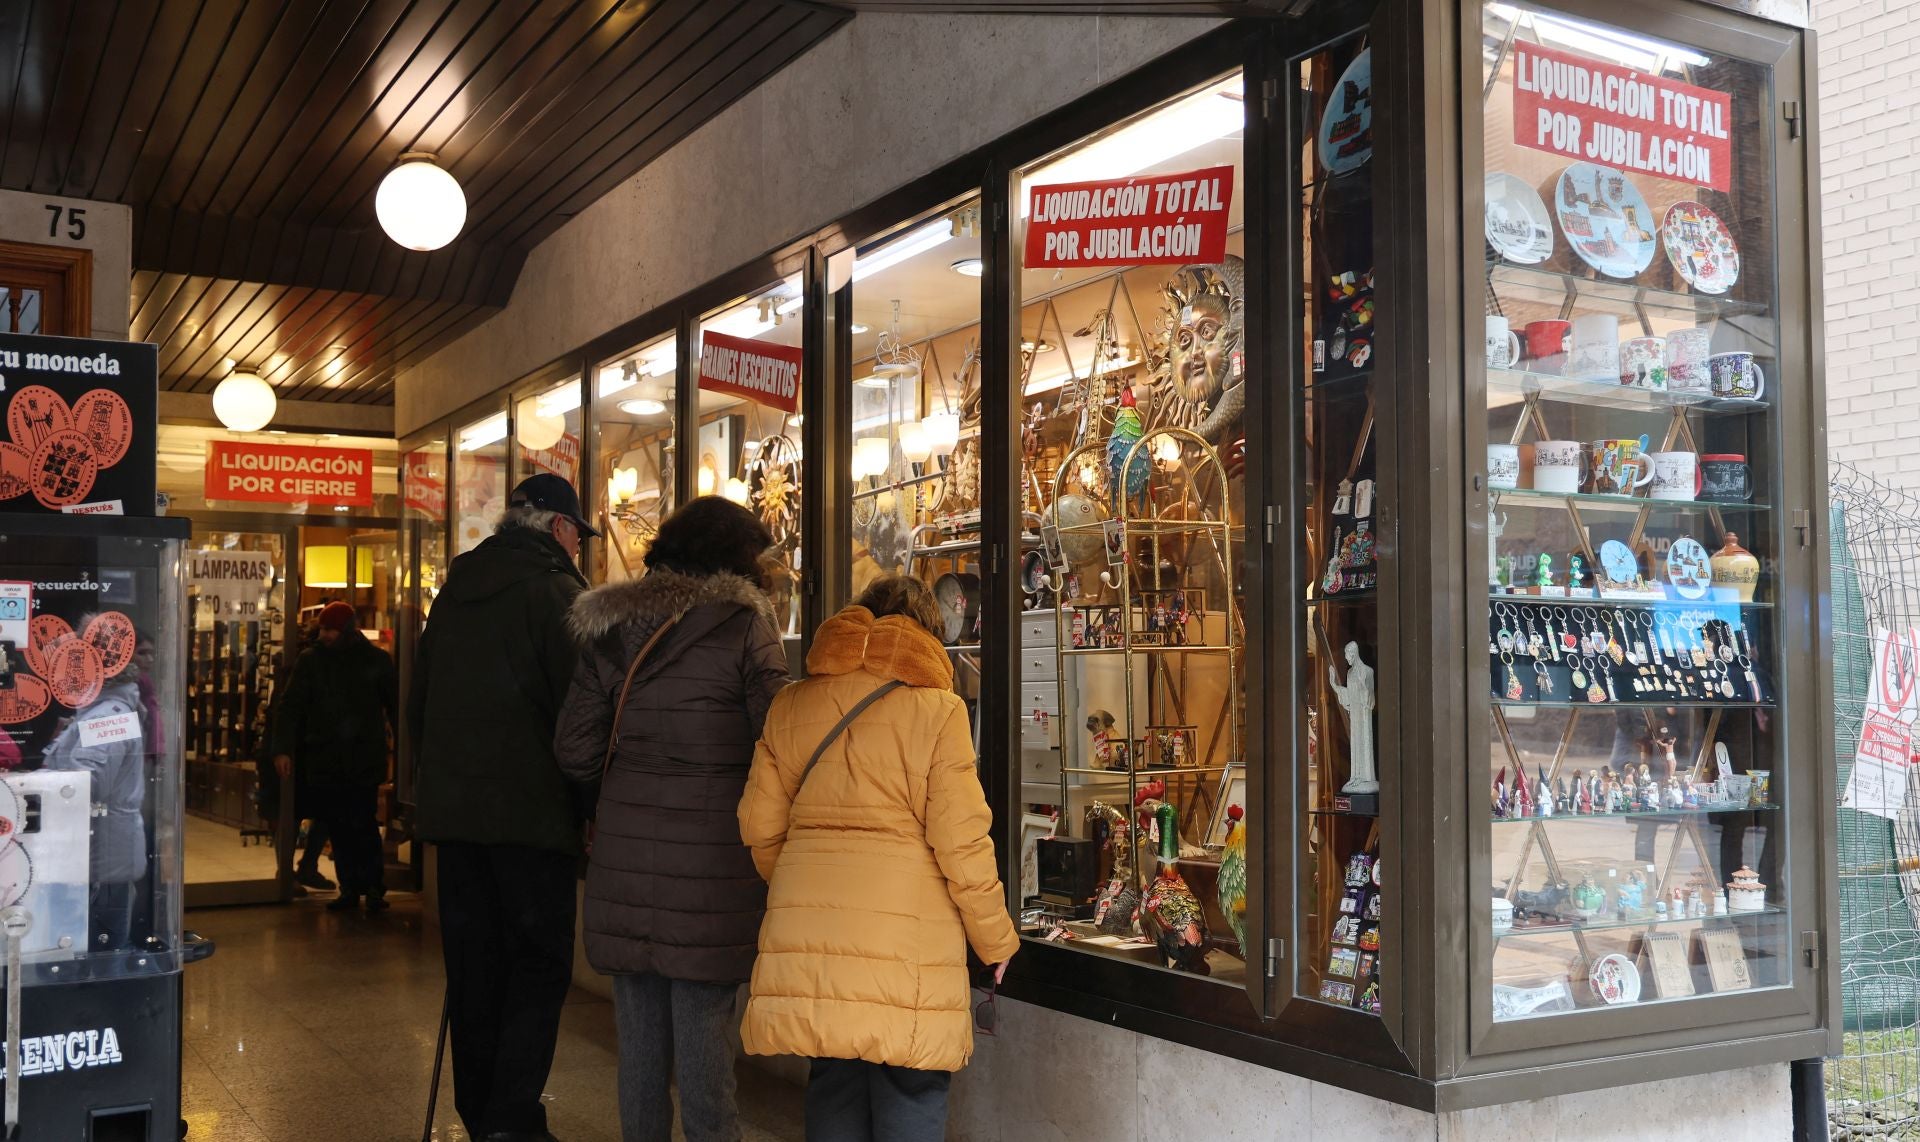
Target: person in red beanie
(343,696)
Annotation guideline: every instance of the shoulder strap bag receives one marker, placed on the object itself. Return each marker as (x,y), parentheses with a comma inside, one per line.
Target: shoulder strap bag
(626,685)
(840,727)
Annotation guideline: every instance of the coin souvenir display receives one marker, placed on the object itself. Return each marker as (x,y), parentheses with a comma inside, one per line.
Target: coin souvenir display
(1700,247)
(1633,668)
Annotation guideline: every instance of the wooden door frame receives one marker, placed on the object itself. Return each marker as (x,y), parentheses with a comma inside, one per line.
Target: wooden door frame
(69,268)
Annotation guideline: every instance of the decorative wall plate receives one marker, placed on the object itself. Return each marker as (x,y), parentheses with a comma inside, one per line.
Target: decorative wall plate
(1689,568)
(1614,979)
(1518,225)
(1346,127)
(1700,247)
(1606,219)
(1617,560)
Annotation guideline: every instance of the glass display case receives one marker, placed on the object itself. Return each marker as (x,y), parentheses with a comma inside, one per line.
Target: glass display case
(479,479)
(634,408)
(1644,804)
(92,626)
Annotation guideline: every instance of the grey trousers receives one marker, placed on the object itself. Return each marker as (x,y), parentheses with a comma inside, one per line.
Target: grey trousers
(851,1100)
(673,1032)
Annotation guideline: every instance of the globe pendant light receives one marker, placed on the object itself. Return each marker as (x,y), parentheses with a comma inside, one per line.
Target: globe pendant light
(244,402)
(420,205)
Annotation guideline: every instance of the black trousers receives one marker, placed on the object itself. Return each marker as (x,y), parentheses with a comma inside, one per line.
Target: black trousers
(350,815)
(506,931)
(851,1100)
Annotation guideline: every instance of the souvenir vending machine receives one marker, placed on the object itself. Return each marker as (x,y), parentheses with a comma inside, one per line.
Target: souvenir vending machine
(92,644)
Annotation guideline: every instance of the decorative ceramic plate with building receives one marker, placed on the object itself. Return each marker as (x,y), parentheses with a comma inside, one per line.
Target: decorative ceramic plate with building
(1606,219)
(1688,568)
(1346,127)
(1518,225)
(1700,247)
(1614,979)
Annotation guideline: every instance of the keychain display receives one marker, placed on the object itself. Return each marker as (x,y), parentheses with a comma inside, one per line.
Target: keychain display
(1539,651)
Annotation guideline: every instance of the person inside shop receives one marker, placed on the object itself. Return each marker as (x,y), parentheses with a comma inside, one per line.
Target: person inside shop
(676,673)
(330,742)
(866,816)
(91,741)
(494,664)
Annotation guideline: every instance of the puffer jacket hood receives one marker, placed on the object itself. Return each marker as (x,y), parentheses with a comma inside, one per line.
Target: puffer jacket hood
(880,868)
(646,603)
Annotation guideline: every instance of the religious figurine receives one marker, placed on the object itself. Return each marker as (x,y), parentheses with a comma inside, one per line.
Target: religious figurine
(1633,895)
(1646,793)
(1356,697)
(1582,799)
(1689,796)
(1543,796)
(1500,806)
(1522,793)
(1562,799)
(1676,799)
(1512,571)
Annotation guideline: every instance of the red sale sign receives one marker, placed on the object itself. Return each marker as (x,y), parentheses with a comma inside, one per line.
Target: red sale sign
(425,491)
(1162,219)
(1584,108)
(289,474)
(758,370)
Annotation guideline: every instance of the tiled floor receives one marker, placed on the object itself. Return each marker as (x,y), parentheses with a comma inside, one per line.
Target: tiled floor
(215,854)
(307,1025)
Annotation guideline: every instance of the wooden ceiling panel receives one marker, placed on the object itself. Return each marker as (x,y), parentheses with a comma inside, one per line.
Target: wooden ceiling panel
(250,138)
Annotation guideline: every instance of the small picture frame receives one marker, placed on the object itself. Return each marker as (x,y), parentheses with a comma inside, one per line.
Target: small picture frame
(1346,930)
(1344,962)
(1668,965)
(1726,960)
(1162,617)
(1171,747)
(1333,991)
(1114,535)
(1233,791)
(1050,544)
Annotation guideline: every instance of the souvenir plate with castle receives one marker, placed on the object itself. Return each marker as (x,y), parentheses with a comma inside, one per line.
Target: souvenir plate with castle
(1700,248)
(1606,219)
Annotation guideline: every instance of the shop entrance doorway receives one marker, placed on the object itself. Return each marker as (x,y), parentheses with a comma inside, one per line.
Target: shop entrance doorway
(45,289)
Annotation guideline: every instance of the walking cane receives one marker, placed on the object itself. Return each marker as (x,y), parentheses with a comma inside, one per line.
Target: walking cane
(439,1052)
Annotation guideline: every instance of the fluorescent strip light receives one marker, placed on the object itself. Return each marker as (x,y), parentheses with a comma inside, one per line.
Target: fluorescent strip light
(559,401)
(482,433)
(1060,380)
(1167,133)
(791,306)
(912,244)
(1631,51)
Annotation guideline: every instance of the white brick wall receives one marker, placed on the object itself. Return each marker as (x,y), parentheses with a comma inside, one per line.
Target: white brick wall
(1869,164)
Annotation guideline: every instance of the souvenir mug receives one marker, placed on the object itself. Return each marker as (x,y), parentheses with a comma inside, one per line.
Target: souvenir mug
(1676,475)
(1558,466)
(1621,467)
(1503,466)
(1643,363)
(1595,355)
(1736,376)
(1503,348)
(1687,353)
(1725,478)
(1547,345)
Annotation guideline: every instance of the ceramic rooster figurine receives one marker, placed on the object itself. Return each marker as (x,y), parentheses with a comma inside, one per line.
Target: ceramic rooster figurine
(1233,877)
(1170,913)
(1116,907)
(1127,431)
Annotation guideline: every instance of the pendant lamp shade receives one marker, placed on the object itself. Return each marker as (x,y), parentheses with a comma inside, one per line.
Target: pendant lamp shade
(244,402)
(420,205)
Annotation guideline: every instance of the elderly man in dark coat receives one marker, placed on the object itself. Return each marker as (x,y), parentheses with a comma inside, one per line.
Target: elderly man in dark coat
(495,661)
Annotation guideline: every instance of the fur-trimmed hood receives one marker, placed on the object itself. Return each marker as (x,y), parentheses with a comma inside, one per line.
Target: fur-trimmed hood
(662,594)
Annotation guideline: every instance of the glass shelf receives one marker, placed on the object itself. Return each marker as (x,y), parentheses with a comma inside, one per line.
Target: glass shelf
(1340,388)
(1530,283)
(1605,503)
(1628,604)
(1148,648)
(1606,924)
(1365,596)
(1117,774)
(1675,703)
(1639,815)
(1518,383)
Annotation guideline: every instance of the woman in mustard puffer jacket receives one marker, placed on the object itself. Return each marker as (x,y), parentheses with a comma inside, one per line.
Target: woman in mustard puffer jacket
(880,873)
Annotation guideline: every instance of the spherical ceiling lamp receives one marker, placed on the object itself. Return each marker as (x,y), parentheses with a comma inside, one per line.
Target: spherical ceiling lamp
(537,431)
(244,402)
(420,205)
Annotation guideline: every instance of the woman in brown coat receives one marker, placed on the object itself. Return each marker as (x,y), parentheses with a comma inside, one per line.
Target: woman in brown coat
(880,874)
(673,903)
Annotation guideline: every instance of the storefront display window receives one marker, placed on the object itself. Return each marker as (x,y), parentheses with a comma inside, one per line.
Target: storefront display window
(634,398)
(479,479)
(747,367)
(914,404)
(1131,398)
(547,430)
(1636,781)
(1340,499)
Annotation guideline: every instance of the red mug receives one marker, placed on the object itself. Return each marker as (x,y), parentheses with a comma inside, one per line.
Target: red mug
(1547,339)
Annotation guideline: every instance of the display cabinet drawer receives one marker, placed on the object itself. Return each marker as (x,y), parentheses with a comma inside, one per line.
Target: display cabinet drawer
(1040,765)
(1039,733)
(1038,628)
(1039,665)
(1041,696)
